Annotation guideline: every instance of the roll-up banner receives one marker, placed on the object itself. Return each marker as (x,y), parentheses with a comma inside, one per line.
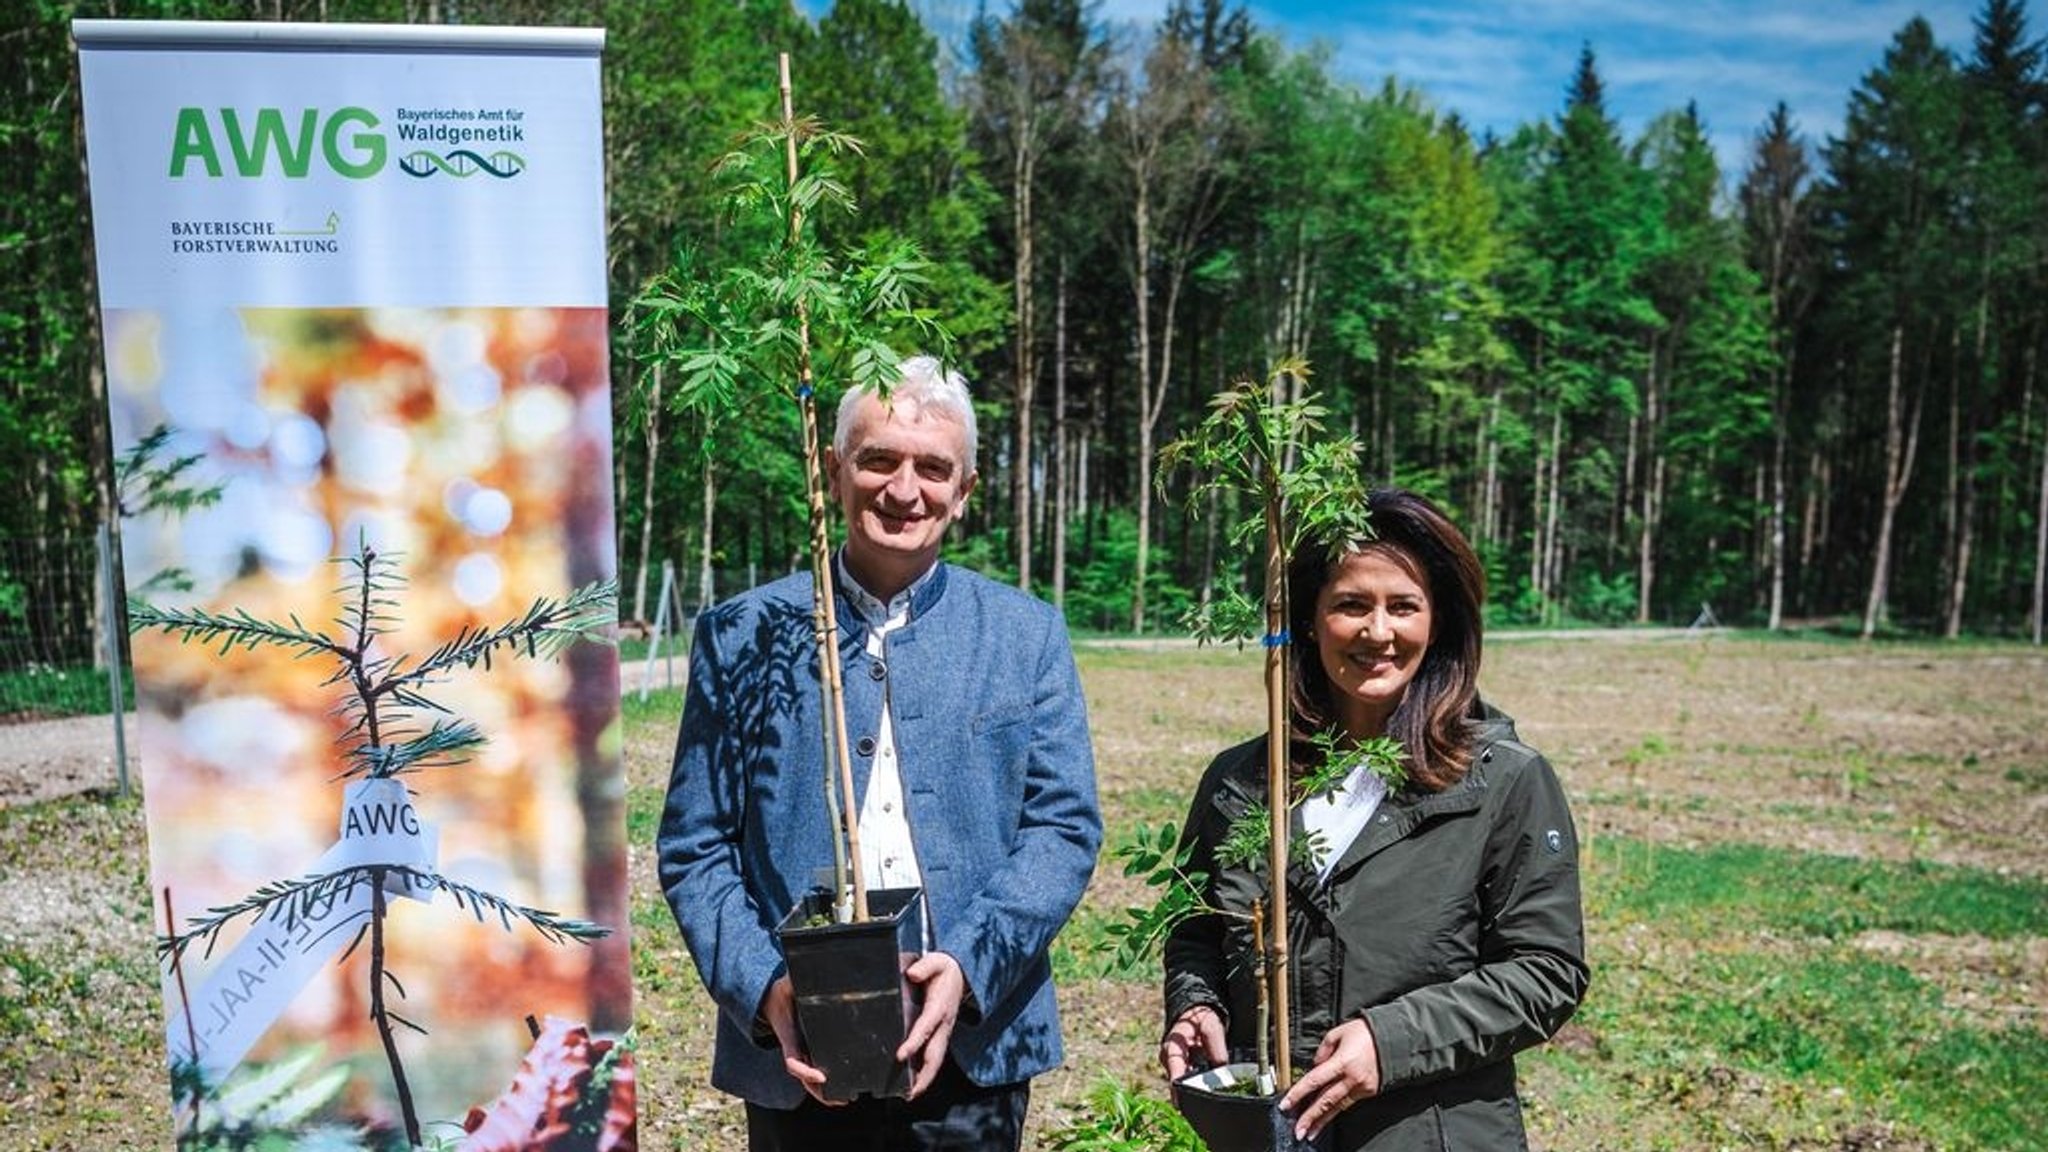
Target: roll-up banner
(353,288)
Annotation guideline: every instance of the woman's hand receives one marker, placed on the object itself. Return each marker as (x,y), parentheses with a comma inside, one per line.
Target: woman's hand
(1199,1029)
(1347,1070)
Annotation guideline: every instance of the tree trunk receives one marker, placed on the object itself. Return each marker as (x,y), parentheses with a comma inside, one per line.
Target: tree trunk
(653,438)
(1061,497)
(100,455)
(707,591)
(2041,538)
(1652,492)
(2040,515)
(1290,336)
(1539,474)
(1152,391)
(1141,287)
(1084,501)
(1775,552)
(1041,494)
(1955,517)
(1809,514)
(1024,171)
(1966,506)
(1493,500)
(1553,511)
(1476,495)
(2006,547)
(1901,441)
(1537,482)
(1617,525)
(1653,515)
(1479,499)
(1965,535)
(1759,539)
(1951,494)
(1209,520)
(1383,425)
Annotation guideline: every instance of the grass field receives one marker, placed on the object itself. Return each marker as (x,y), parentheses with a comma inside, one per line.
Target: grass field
(40,691)
(1816,877)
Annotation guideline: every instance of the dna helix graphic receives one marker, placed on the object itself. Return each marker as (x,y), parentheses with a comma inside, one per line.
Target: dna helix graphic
(462,164)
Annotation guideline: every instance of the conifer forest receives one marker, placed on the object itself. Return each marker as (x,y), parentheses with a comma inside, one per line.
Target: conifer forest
(1808,392)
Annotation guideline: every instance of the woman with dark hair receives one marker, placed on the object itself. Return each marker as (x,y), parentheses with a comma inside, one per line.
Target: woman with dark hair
(1435,928)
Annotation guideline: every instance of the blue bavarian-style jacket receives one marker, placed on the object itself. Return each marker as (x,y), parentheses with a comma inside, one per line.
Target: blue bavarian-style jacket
(998,778)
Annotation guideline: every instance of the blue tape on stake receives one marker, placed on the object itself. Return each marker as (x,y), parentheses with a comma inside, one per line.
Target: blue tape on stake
(803,391)
(1274,640)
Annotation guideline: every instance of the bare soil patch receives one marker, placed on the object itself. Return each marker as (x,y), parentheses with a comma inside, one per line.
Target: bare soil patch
(44,757)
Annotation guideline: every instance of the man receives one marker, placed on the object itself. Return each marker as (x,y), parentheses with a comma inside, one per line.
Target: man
(974,778)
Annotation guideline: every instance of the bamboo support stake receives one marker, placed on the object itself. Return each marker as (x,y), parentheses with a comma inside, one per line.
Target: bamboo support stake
(1265,1003)
(1277,957)
(824,612)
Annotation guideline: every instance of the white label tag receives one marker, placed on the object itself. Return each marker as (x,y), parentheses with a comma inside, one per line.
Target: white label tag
(252,986)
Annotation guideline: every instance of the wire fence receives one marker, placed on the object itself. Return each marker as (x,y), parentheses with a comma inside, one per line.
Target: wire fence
(53,614)
(672,602)
(685,587)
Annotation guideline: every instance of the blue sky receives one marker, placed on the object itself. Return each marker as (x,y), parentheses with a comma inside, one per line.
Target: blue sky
(1500,64)
(1504,62)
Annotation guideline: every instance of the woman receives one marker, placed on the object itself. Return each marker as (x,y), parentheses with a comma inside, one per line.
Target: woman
(1437,930)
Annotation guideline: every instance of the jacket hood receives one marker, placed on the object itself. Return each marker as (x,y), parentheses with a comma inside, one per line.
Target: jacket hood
(1491,726)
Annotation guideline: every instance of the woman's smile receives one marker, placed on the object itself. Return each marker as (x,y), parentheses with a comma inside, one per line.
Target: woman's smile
(1373,625)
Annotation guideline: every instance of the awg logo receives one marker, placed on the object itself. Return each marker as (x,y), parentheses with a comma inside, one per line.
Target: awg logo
(462,164)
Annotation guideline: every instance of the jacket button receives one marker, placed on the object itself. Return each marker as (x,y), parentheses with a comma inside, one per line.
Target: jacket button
(866,747)
(878,670)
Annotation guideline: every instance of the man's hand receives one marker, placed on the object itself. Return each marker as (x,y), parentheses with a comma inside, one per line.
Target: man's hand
(778,1007)
(1347,1070)
(1199,1029)
(925,1048)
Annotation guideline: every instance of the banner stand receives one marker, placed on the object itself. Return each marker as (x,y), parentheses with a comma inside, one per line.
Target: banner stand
(354,292)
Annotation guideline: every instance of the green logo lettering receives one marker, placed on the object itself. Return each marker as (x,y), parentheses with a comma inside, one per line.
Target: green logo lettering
(251,155)
(193,140)
(349,142)
(367,156)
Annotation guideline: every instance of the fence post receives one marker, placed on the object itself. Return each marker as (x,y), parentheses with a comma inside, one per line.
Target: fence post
(110,631)
(684,619)
(659,632)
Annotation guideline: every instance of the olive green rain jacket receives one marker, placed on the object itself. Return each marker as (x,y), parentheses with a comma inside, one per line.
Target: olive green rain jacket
(1451,924)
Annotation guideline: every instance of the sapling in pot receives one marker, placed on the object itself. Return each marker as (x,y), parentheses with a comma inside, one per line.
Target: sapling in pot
(1307,493)
(846,946)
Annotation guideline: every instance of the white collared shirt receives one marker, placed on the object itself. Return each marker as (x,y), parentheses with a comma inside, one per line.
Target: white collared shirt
(1340,814)
(888,858)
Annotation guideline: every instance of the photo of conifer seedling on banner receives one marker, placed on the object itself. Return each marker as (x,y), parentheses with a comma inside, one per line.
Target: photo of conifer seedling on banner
(370,569)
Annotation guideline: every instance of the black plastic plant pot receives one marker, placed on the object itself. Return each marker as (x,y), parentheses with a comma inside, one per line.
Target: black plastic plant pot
(852,1001)
(1225,1108)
